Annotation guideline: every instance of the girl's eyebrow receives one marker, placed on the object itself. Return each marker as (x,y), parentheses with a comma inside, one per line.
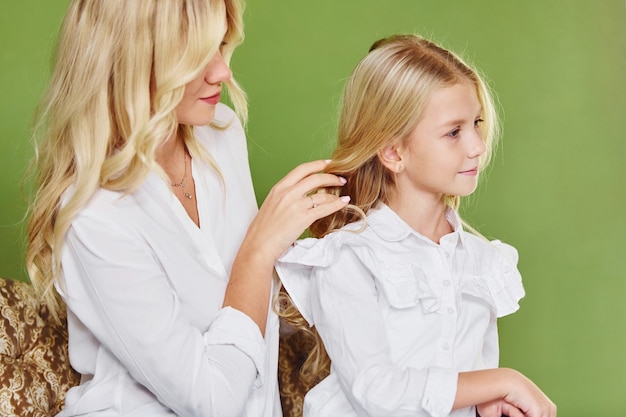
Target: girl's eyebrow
(459,121)
(452,122)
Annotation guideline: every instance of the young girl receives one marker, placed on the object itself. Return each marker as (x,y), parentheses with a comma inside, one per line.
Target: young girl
(404,299)
(145,218)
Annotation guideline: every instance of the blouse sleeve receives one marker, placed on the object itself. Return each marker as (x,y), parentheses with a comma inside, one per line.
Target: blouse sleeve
(343,306)
(116,288)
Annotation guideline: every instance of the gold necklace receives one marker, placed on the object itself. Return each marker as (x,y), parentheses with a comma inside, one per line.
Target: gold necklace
(182,183)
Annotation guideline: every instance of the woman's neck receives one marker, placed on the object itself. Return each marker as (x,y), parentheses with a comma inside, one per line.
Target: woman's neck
(169,156)
(173,158)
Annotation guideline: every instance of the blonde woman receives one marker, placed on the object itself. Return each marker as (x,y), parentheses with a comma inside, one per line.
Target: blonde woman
(145,220)
(404,298)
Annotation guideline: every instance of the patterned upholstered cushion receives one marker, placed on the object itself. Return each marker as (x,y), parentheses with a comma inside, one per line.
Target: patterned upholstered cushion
(34,367)
(35,372)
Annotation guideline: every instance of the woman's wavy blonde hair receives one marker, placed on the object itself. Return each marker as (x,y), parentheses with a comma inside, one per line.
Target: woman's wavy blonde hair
(383,101)
(120,70)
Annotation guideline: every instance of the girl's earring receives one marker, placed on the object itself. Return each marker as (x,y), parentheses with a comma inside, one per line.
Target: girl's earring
(399,167)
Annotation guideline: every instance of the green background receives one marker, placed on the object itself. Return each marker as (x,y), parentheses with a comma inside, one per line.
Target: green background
(556,189)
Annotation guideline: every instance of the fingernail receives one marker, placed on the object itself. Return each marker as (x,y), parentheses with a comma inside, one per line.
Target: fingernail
(343,180)
(327,160)
(345,198)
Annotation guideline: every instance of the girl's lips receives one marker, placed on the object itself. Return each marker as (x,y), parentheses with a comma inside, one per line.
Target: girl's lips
(214,99)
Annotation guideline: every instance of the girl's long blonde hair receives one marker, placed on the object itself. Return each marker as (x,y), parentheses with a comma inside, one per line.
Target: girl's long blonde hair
(383,101)
(120,70)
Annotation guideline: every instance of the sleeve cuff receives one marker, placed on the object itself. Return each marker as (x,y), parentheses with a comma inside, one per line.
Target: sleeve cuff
(440,391)
(235,328)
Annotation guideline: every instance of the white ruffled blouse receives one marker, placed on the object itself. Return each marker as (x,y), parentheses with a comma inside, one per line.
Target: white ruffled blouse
(400,315)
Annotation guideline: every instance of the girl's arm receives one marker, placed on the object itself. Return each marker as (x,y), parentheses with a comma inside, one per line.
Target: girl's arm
(283,217)
(481,387)
(508,385)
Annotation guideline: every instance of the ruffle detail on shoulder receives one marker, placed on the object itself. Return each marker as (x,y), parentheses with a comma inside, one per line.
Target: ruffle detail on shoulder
(296,265)
(314,252)
(406,286)
(500,285)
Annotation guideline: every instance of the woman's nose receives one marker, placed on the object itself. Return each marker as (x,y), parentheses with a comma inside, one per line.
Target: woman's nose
(217,70)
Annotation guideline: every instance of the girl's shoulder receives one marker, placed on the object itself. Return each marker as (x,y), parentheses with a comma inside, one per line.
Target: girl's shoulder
(487,252)
(490,272)
(371,240)
(321,252)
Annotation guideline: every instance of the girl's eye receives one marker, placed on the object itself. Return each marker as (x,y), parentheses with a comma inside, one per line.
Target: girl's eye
(478,122)
(454,133)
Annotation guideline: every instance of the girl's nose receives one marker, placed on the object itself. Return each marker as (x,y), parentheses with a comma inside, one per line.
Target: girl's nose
(477,146)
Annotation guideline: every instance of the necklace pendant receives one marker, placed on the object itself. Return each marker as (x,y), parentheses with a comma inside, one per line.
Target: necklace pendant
(188,195)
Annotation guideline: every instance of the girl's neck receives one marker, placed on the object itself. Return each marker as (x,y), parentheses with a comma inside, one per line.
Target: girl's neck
(428,218)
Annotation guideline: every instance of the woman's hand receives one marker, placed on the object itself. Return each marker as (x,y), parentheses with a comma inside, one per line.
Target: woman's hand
(290,208)
(286,212)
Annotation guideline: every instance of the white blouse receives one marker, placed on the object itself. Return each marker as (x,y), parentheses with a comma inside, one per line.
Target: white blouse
(144,289)
(400,316)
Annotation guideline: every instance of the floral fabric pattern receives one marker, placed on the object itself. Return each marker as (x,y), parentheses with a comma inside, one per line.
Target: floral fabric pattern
(35,371)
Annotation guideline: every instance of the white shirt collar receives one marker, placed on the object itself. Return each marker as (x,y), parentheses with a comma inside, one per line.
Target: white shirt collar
(390,227)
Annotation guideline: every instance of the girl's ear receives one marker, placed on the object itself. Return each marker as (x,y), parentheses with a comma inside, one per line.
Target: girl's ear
(391,158)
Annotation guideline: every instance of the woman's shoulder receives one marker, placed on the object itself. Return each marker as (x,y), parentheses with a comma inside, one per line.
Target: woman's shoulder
(100,201)
(107,206)
(124,209)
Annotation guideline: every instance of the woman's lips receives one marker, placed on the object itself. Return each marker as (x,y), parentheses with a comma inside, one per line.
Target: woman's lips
(214,99)
(473,171)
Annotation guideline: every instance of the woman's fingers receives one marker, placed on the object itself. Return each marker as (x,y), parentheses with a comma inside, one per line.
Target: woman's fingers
(308,177)
(314,203)
(302,171)
(290,207)
(326,205)
(307,185)
(318,200)
(318,180)
(297,191)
